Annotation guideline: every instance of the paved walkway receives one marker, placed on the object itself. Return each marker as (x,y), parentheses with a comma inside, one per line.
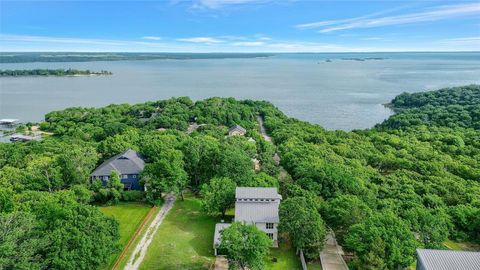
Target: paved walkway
(331,255)
(263,131)
(141,249)
(221,263)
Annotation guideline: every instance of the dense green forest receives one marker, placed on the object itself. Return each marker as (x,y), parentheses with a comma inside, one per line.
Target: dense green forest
(385,191)
(451,107)
(50,72)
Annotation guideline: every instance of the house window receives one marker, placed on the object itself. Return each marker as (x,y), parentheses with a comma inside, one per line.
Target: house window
(105,178)
(124,176)
(270,235)
(269,225)
(134,176)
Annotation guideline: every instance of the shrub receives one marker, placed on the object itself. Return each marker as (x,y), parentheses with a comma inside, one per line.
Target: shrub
(133,195)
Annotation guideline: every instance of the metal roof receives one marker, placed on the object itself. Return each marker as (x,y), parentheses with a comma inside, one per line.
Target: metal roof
(256,193)
(433,259)
(237,127)
(129,162)
(219,227)
(257,212)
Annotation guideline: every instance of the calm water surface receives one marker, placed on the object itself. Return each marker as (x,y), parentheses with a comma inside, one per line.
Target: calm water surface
(342,94)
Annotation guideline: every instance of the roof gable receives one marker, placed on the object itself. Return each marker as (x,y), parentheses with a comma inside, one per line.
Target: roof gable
(256,193)
(237,127)
(128,162)
(257,204)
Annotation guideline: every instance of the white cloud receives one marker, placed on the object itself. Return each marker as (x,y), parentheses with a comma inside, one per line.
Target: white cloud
(206,40)
(249,43)
(233,37)
(27,38)
(433,14)
(151,38)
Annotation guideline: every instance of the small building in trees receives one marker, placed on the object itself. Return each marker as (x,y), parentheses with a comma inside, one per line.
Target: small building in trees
(257,206)
(237,131)
(128,164)
(434,259)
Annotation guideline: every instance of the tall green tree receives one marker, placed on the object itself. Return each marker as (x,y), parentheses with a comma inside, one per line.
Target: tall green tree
(166,174)
(77,163)
(245,246)
(396,238)
(78,236)
(303,223)
(218,196)
(21,246)
(44,173)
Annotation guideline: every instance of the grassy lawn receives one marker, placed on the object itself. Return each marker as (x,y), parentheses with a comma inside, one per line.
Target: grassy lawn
(184,240)
(286,258)
(461,246)
(129,216)
(315,265)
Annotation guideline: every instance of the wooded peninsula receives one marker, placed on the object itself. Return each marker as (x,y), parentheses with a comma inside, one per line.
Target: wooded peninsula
(51,72)
(410,182)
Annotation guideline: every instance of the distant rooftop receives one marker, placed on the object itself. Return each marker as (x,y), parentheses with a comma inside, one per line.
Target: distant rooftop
(256,193)
(237,127)
(433,259)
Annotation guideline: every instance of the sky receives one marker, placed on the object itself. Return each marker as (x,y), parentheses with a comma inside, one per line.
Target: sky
(239,26)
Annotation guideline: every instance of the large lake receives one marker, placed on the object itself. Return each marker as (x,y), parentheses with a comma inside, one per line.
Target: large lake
(341,94)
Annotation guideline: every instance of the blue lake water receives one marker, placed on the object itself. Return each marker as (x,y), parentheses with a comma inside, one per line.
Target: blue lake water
(341,94)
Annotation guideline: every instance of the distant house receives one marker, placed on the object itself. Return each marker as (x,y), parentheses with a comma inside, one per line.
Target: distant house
(237,130)
(257,206)
(433,259)
(129,165)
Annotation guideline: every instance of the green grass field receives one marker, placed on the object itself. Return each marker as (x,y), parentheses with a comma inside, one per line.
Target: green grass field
(461,245)
(184,240)
(129,216)
(286,258)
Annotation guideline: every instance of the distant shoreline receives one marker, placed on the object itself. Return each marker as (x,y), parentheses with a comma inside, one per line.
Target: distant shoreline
(31,57)
(52,73)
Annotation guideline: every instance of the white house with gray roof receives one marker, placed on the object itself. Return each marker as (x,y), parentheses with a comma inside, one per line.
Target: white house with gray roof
(128,164)
(257,206)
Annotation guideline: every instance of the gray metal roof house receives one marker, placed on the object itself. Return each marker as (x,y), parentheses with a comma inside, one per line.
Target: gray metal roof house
(257,206)
(433,259)
(237,130)
(128,164)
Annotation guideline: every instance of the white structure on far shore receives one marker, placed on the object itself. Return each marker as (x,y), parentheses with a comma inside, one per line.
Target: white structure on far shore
(256,206)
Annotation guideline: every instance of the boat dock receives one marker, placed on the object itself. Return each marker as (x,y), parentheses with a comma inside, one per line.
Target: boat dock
(9,122)
(24,138)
